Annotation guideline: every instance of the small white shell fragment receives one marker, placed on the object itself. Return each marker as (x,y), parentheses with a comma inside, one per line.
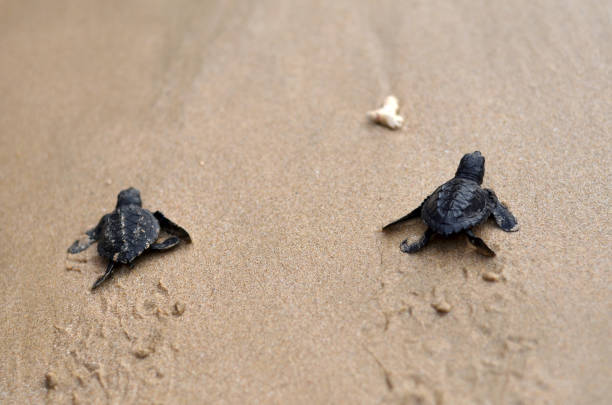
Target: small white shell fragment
(387,115)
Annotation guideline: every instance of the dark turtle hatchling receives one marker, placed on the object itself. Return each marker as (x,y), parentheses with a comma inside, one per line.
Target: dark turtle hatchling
(128,231)
(459,205)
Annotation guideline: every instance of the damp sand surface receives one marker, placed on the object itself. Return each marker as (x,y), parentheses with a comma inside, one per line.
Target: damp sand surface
(245,123)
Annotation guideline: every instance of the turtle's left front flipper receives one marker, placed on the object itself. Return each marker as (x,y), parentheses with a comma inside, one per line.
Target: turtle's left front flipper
(415,213)
(90,237)
(81,244)
(171,227)
(503,217)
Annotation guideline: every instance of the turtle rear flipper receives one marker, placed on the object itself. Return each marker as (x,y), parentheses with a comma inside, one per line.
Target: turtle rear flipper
(105,276)
(503,217)
(479,243)
(170,227)
(418,245)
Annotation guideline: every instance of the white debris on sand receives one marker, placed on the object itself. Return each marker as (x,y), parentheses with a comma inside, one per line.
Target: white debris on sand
(387,115)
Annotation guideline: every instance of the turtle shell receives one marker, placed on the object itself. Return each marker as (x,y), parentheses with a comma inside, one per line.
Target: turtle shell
(126,233)
(455,206)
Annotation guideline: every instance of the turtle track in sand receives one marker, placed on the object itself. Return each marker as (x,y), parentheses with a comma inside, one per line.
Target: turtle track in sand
(119,352)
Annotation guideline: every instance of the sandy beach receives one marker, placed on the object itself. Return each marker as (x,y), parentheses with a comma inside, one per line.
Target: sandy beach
(245,123)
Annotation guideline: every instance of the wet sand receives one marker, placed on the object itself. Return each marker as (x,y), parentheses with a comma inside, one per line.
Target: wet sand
(245,123)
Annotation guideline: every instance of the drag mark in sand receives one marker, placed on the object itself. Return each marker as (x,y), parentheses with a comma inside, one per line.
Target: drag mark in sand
(426,301)
(386,373)
(121,351)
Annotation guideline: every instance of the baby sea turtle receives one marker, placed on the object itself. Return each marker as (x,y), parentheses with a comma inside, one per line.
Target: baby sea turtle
(128,231)
(459,205)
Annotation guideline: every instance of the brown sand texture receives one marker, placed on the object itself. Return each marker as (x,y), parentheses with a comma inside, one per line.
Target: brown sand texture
(245,123)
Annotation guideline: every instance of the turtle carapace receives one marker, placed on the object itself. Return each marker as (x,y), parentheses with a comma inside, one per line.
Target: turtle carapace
(459,205)
(127,232)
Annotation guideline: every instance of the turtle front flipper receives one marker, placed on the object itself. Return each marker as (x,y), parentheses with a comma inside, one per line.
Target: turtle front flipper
(503,217)
(171,227)
(413,214)
(81,244)
(166,244)
(479,243)
(107,274)
(418,245)
(92,236)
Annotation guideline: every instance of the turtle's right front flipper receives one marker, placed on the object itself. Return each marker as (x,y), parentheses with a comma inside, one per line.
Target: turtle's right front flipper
(414,214)
(503,217)
(86,241)
(172,228)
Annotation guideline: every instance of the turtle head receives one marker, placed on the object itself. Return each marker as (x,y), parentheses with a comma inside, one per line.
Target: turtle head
(129,196)
(471,167)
